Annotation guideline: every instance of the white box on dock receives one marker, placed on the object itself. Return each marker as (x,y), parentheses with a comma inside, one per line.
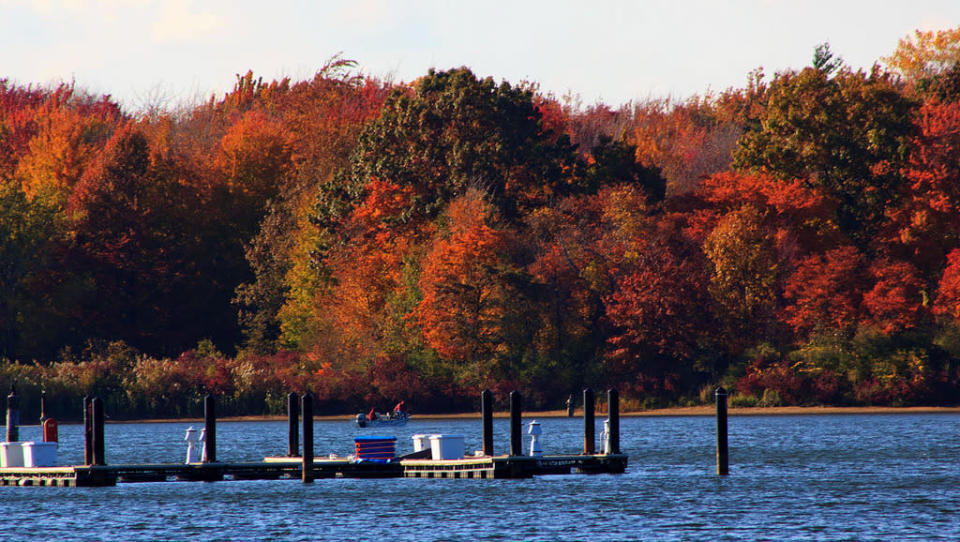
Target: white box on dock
(420,442)
(11,454)
(446,446)
(39,454)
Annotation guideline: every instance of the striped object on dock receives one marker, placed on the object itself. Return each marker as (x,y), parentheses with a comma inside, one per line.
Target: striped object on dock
(374,447)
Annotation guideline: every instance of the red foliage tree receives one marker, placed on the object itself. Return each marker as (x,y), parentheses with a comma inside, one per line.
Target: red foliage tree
(660,310)
(896,301)
(799,215)
(927,224)
(825,292)
(947,302)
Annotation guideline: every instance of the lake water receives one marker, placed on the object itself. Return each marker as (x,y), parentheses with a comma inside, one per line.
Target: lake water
(830,477)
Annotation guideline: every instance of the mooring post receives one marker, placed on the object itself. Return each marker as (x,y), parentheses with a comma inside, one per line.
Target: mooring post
(516,437)
(486,415)
(613,416)
(96,406)
(87,431)
(588,422)
(293,432)
(723,459)
(43,407)
(210,426)
(13,415)
(306,406)
(570,405)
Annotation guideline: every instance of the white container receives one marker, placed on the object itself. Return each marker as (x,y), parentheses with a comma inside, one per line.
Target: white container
(11,454)
(446,446)
(420,442)
(39,454)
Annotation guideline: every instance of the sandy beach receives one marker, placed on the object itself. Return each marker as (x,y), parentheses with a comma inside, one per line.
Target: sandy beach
(704,410)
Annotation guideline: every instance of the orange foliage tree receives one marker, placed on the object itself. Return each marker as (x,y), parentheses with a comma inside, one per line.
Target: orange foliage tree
(472,308)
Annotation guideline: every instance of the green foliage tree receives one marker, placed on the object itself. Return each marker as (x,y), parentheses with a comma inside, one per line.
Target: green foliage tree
(843,131)
(30,234)
(451,131)
(614,162)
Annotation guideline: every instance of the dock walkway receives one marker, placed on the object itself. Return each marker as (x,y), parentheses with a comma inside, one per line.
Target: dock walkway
(273,468)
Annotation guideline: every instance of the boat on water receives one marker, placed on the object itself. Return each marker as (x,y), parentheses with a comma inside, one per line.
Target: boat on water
(382,420)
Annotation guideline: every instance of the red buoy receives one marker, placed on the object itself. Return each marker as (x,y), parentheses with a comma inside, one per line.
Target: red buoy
(50,430)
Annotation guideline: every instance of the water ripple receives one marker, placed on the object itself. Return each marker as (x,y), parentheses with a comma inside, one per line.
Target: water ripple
(792,478)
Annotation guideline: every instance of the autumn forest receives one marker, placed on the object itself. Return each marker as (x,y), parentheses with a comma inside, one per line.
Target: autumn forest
(796,240)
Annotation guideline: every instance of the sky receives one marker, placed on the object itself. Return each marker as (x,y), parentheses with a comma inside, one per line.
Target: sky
(175,52)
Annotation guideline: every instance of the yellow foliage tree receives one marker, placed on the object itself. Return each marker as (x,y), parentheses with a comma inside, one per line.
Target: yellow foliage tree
(925,53)
(745,270)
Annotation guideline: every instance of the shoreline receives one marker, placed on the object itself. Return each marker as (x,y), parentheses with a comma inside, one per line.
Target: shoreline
(703,410)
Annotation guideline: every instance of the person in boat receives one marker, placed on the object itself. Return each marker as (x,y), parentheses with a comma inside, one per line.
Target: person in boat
(400,410)
(372,415)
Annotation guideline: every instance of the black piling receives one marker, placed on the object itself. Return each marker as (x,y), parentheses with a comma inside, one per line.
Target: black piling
(293,431)
(96,408)
(87,431)
(306,407)
(570,405)
(13,415)
(516,439)
(723,456)
(589,439)
(613,416)
(43,407)
(486,415)
(210,425)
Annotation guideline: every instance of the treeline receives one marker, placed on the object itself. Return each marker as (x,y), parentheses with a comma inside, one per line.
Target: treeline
(796,240)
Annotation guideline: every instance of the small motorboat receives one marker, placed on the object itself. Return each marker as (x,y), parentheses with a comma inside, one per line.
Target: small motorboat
(382,420)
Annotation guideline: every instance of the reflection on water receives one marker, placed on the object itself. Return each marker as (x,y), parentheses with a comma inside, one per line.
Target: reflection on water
(792,477)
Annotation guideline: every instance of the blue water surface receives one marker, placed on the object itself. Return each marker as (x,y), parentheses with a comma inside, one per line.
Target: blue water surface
(822,477)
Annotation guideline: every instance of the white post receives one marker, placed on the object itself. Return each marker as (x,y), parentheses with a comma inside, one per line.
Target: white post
(191,439)
(605,436)
(535,431)
(203,448)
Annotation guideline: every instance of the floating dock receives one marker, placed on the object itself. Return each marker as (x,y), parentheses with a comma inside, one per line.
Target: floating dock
(438,462)
(513,466)
(275,468)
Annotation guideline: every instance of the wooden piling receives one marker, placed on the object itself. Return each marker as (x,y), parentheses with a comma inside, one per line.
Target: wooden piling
(723,459)
(306,407)
(588,422)
(613,416)
(210,425)
(87,431)
(43,407)
(96,408)
(293,434)
(486,415)
(13,415)
(570,406)
(516,439)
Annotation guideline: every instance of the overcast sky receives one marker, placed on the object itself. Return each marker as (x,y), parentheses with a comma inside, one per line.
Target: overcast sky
(181,50)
